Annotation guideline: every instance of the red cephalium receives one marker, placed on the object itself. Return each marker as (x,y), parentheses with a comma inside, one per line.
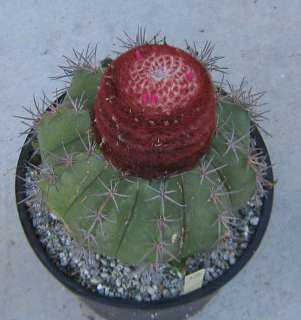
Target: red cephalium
(155,111)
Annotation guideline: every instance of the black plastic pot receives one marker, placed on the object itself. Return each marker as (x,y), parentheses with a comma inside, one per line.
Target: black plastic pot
(115,308)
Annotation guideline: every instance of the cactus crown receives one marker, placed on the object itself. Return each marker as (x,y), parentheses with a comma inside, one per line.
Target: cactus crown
(154,111)
(144,159)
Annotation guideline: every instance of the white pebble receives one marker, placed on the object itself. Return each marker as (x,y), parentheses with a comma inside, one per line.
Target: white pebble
(254,221)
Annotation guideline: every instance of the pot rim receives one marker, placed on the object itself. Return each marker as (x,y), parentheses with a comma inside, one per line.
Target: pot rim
(78,289)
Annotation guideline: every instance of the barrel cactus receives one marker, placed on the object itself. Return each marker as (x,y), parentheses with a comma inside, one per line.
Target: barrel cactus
(145,158)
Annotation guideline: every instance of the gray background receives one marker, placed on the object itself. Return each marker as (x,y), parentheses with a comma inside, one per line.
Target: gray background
(260,39)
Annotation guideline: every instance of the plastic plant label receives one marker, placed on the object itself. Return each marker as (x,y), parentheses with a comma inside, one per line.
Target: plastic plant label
(193,281)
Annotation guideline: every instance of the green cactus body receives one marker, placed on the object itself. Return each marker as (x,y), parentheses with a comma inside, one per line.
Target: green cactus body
(134,219)
(86,82)
(230,149)
(128,223)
